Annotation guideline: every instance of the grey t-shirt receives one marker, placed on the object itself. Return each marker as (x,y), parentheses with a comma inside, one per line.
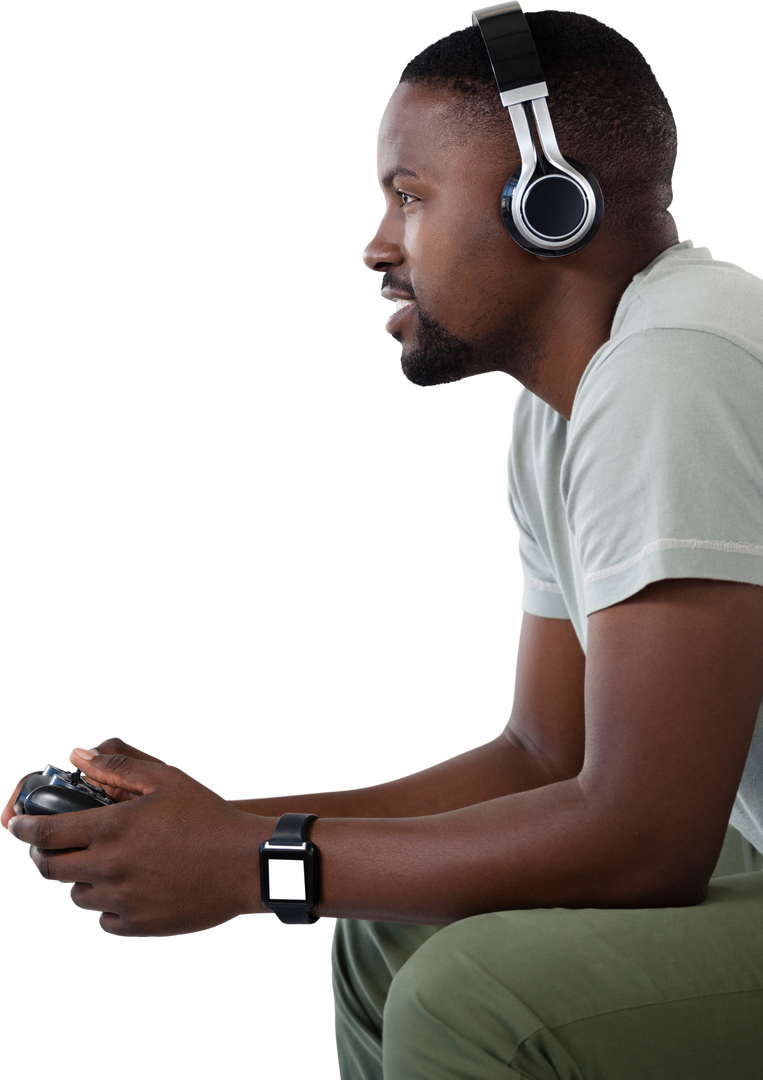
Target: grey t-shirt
(659,472)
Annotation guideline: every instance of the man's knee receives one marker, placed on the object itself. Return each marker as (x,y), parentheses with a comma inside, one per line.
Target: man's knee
(448,1015)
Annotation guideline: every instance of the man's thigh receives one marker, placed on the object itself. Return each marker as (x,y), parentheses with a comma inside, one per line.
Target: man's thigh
(649,994)
(366,957)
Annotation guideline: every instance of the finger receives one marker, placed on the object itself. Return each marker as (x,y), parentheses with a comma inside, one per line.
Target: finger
(115,793)
(84,895)
(57,831)
(59,867)
(114,924)
(117,746)
(122,925)
(51,866)
(8,811)
(122,771)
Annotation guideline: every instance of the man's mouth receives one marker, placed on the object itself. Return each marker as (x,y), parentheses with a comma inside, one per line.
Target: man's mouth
(403,306)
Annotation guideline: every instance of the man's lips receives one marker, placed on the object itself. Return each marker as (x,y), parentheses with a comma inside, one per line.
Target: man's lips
(404,303)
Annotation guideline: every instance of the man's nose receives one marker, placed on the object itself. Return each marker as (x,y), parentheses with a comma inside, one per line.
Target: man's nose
(382,253)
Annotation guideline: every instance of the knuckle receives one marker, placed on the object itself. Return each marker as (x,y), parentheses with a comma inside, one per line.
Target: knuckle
(42,861)
(41,832)
(112,746)
(122,763)
(110,869)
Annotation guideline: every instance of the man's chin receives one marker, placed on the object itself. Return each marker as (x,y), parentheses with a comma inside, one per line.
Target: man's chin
(430,356)
(421,371)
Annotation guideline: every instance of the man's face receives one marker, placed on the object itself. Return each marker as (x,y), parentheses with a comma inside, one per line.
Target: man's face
(463,290)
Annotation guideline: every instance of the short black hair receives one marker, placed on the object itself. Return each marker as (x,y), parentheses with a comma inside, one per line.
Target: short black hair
(607,107)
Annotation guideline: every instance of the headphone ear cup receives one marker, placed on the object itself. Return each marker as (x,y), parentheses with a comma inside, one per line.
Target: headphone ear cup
(553,207)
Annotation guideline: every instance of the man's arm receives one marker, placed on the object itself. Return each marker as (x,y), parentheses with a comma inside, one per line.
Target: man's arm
(542,743)
(673,681)
(674,678)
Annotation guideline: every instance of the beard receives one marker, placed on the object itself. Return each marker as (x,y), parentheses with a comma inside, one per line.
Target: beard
(434,358)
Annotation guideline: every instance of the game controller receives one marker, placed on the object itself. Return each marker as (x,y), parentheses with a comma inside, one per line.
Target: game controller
(54,791)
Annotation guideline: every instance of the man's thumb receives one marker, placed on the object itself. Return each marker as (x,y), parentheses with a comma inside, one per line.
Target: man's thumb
(117,770)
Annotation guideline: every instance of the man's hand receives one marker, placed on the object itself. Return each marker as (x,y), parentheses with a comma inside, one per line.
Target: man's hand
(175,860)
(116,746)
(109,746)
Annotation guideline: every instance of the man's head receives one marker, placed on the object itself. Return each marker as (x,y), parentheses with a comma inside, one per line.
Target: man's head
(446,147)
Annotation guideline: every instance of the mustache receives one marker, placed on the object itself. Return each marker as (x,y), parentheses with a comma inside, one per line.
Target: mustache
(398,283)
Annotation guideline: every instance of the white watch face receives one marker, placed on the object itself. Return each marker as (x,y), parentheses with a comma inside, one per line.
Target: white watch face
(286,879)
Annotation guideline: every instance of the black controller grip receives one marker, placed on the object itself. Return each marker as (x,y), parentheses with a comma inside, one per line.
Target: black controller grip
(54,791)
(58,800)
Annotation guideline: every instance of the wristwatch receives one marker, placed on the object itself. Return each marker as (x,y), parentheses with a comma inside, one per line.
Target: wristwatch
(289,870)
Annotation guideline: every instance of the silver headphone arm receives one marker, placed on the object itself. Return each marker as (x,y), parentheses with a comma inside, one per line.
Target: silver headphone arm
(529,158)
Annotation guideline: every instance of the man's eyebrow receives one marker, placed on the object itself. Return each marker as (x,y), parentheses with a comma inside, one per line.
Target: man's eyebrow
(398,170)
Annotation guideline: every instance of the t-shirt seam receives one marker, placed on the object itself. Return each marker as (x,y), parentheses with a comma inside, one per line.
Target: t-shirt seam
(624,337)
(732,547)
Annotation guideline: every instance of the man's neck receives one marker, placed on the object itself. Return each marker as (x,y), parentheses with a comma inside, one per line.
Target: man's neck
(576,320)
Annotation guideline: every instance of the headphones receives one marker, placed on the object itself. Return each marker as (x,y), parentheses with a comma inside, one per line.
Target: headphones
(551,205)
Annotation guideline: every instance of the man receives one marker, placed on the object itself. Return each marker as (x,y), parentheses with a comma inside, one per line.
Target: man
(559,902)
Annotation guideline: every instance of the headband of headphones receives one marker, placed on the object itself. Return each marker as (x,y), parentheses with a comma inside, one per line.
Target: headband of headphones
(551,205)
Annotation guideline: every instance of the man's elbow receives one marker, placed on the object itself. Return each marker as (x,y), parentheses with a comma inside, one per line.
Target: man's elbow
(664,893)
(658,882)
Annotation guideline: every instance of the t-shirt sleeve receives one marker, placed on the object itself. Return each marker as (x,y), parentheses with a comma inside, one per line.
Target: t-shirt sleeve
(541,594)
(663,474)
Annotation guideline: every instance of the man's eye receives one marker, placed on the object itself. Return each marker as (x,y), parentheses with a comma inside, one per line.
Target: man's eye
(405,199)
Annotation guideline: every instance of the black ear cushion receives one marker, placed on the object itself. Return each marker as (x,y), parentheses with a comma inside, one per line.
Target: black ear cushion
(554,207)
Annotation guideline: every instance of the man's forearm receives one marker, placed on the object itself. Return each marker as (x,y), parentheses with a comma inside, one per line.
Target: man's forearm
(549,847)
(501,767)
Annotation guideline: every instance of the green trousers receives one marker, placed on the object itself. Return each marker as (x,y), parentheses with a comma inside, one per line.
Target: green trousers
(560,994)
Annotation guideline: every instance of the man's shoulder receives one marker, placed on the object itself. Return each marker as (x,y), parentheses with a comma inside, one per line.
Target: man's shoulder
(686,289)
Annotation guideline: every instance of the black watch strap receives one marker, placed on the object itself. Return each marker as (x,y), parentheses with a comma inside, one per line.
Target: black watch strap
(290,828)
(290,831)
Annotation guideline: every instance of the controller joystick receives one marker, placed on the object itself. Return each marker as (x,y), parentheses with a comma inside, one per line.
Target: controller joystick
(54,791)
